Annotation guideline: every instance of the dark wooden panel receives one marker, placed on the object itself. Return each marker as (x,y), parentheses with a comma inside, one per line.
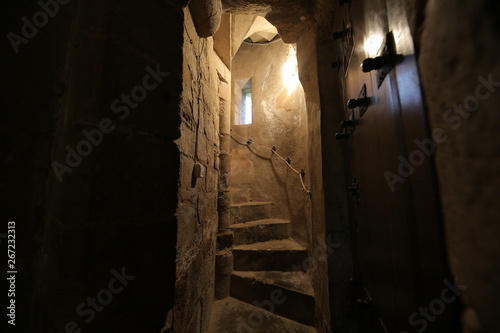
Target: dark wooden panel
(401,261)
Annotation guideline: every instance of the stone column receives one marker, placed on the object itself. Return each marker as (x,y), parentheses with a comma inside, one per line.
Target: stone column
(224,257)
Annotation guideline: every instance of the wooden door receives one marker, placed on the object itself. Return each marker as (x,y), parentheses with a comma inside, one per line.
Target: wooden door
(401,260)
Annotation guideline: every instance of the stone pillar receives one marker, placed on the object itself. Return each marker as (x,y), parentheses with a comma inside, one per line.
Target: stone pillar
(225,165)
(224,257)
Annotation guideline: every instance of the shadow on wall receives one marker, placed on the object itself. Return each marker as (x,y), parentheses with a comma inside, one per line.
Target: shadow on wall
(279,120)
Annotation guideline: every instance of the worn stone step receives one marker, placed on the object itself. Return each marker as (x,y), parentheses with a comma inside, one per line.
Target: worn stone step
(261,231)
(250,211)
(288,294)
(297,281)
(275,255)
(232,316)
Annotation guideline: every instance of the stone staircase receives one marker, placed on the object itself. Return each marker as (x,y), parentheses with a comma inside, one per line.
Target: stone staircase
(269,292)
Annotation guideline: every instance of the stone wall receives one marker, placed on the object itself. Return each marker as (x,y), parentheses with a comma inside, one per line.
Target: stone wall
(204,75)
(115,211)
(101,80)
(280,120)
(307,54)
(31,94)
(460,69)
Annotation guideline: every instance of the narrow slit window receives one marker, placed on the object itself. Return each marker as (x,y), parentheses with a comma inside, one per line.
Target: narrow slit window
(246,107)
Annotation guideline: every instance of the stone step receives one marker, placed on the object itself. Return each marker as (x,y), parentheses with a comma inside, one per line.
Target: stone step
(261,231)
(288,294)
(275,255)
(250,211)
(231,316)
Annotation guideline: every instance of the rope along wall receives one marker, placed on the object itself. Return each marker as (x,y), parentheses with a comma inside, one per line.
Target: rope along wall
(274,150)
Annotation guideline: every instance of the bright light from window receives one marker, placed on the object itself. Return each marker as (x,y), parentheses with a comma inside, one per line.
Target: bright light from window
(246,114)
(373,44)
(290,71)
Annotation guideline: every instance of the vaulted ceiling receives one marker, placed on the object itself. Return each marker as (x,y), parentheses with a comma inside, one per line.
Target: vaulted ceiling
(290,17)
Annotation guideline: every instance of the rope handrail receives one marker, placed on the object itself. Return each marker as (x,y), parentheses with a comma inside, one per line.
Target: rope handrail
(274,150)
